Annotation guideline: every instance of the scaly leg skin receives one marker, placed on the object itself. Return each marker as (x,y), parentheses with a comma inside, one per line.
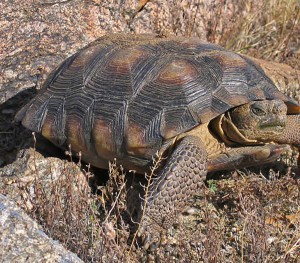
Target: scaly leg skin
(242,157)
(169,193)
(291,134)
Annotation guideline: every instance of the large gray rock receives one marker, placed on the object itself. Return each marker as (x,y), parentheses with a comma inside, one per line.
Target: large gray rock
(36,36)
(22,240)
(35,182)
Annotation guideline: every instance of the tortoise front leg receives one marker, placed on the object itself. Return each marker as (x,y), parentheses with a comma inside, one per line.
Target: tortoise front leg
(291,133)
(169,193)
(241,157)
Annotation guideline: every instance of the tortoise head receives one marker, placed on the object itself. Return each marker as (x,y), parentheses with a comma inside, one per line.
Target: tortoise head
(260,122)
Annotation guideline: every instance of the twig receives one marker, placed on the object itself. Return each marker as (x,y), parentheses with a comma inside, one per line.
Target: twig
(149,182)
(115,202)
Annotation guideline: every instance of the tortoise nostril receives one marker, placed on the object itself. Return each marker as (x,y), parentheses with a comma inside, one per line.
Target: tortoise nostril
(279,108)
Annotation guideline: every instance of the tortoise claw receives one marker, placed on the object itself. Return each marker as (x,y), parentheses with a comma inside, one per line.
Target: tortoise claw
(149,235)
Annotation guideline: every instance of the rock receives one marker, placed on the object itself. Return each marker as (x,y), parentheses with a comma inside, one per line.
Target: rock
(35,182)
(36,36)
(286,78)
(22,240)
(20,179)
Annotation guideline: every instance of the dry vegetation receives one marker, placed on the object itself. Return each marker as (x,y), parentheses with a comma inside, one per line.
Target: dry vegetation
(265,29)
(240,216)
(249,216)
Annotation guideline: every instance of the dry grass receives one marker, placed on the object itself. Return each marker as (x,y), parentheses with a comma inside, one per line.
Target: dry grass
(269,29)
(88,222)
(241,218)
(266,29)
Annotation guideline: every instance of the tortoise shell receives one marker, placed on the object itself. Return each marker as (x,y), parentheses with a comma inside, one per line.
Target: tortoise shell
(123,96)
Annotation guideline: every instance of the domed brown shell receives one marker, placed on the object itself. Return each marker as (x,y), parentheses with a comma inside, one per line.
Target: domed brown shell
(123,95)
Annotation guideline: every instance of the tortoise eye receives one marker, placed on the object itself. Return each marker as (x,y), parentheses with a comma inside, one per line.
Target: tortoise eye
(258,111)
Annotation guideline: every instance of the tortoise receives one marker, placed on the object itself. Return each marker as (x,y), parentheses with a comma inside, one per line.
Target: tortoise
(201,107)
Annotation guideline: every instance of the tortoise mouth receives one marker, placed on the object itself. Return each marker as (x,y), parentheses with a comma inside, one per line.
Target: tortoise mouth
(278,123)
(276,127)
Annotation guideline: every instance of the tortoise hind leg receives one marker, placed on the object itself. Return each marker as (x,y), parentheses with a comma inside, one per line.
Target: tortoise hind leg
(169,193)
